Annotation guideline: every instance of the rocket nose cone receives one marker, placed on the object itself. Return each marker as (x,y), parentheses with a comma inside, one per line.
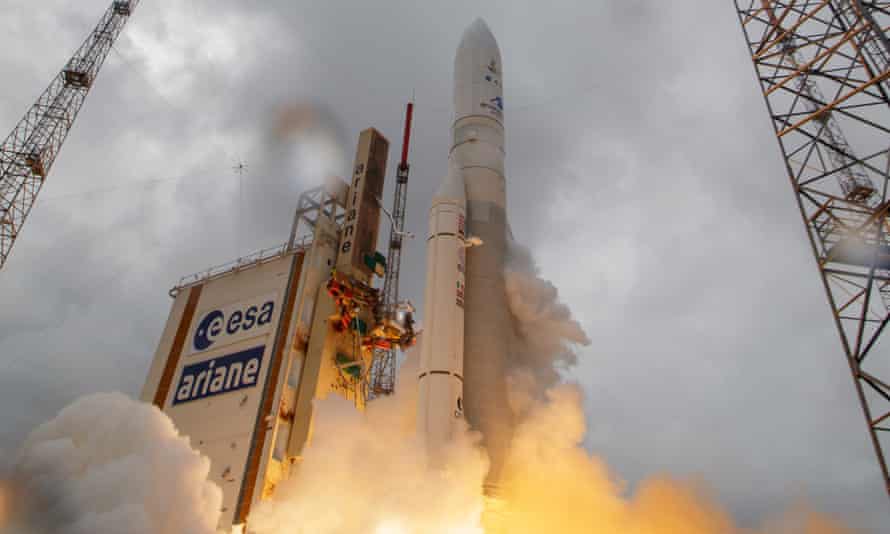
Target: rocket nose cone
(478,84)
(478,35)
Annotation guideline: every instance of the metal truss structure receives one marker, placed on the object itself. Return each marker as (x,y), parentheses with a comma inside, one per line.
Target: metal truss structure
(824,70)
(27,155)
(383,366)
(322,201)
(328,201)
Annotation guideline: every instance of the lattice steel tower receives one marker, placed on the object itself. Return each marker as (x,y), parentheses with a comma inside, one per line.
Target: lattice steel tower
(383,366)
(27,155)
(824,69)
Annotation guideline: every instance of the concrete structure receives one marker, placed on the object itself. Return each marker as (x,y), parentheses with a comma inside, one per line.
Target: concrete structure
(248,346)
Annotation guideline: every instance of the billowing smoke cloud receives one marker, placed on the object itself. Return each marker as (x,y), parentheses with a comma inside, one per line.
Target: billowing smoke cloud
(546,332)
(367,473)
(555,485)
(307,140)
(109,465)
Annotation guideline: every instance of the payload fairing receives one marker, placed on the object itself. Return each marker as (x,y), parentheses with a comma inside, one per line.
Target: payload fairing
(468,324)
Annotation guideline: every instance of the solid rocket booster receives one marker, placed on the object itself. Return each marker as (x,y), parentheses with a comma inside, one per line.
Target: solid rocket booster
(440,407)
(476,160)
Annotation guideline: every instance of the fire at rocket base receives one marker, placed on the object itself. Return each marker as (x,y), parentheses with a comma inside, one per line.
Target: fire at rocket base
(476,162)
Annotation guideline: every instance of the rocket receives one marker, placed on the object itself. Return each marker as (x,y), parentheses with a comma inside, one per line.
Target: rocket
(468,324)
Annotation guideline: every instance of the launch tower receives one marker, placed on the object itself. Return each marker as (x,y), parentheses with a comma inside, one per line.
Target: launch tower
(824,71)
(383,368)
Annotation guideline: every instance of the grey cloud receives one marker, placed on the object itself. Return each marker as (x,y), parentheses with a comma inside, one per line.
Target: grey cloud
(676,241)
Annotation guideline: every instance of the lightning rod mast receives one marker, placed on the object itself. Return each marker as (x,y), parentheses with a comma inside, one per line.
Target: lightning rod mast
(383,366)
(27,155)
(824,71)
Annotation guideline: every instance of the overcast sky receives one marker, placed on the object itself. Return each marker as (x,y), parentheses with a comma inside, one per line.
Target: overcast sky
(642,172)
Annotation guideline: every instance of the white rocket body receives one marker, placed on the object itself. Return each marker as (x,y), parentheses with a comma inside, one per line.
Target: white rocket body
(477,158)
(440,408)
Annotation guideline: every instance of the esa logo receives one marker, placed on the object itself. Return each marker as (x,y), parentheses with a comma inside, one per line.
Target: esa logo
(219,375)
(234,322)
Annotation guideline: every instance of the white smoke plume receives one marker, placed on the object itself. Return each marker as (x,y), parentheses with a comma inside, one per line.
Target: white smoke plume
(368,473)
(109,465)
(307,140)
(546,332)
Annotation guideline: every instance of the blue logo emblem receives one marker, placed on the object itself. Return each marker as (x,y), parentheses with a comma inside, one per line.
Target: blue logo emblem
(219,375)
(210,327)
(215,323)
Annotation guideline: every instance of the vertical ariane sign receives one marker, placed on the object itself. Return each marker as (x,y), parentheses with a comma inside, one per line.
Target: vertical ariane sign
(362,221)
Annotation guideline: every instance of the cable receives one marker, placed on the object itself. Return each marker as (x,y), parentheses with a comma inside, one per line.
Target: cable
(127,63)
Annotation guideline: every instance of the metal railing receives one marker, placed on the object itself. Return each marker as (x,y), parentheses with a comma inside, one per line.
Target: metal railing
(250,261)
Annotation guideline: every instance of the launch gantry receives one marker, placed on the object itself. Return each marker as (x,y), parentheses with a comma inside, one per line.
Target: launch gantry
(27,155)
(824,70)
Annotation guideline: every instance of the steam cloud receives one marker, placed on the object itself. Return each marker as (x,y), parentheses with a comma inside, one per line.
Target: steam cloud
(110,465)
(368,473)
(546,332)
(306,139)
